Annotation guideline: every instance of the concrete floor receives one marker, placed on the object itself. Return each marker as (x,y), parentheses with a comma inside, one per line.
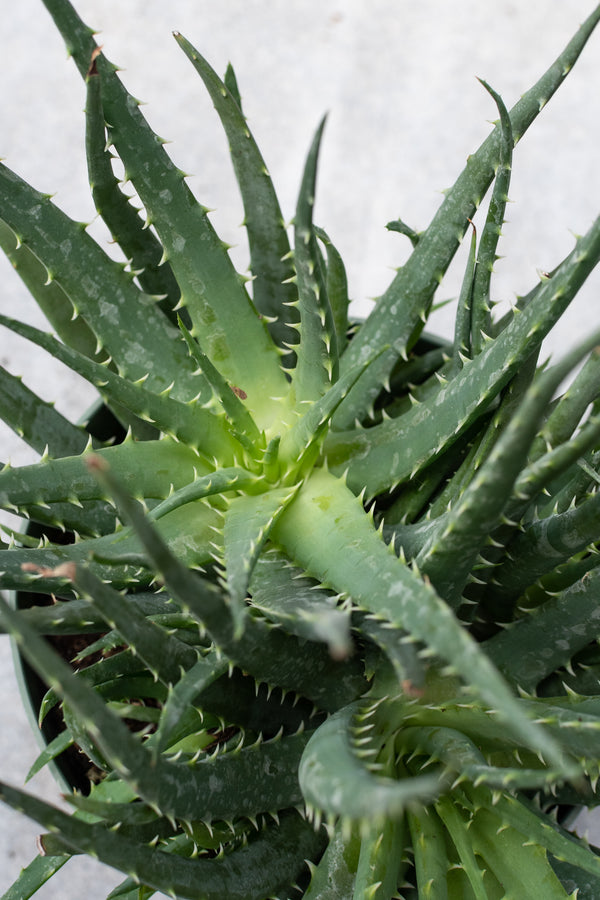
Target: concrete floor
(405,110)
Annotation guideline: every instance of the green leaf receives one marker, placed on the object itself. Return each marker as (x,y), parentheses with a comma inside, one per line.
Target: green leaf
(572,405)
(460,754)
(380,583)
(230,82)
(244,782)
(119,555)
(380,861)
(205,671)
(536,646)
(221,481)
(573,720)
(49,295)
(272,289)
(302,441)
(334,876)
(126,226)
(400,648)
(248,522)
(298,604)
(230,397)
(537,827)
(572,878)
(150,469)
(317,356)
(401,227)
(335,781)
(57,745)
(430,852)
(165,656)
(517,861)
(542,547)
(34,876)
(450,554)
(307,668)
(265,865)
(78,617)
(481,308)
(462,327)
(126,322)
(547,468)
(450,814)
(188,422)
(38,422)
(398,316)
(220,311)
(372,456)
(337,289)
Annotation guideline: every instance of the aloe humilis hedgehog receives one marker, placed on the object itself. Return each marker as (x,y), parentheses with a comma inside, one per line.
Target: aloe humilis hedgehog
(345,577)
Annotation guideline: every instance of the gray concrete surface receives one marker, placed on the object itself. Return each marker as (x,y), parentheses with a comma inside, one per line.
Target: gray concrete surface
(398,80)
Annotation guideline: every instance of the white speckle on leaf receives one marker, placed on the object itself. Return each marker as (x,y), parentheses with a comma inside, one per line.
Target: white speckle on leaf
(135,353)
(108,310)
(91,289)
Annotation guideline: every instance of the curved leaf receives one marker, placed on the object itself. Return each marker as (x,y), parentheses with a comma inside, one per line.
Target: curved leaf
(335,781)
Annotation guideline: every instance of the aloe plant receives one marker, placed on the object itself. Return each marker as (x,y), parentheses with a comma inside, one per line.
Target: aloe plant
(339,579)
